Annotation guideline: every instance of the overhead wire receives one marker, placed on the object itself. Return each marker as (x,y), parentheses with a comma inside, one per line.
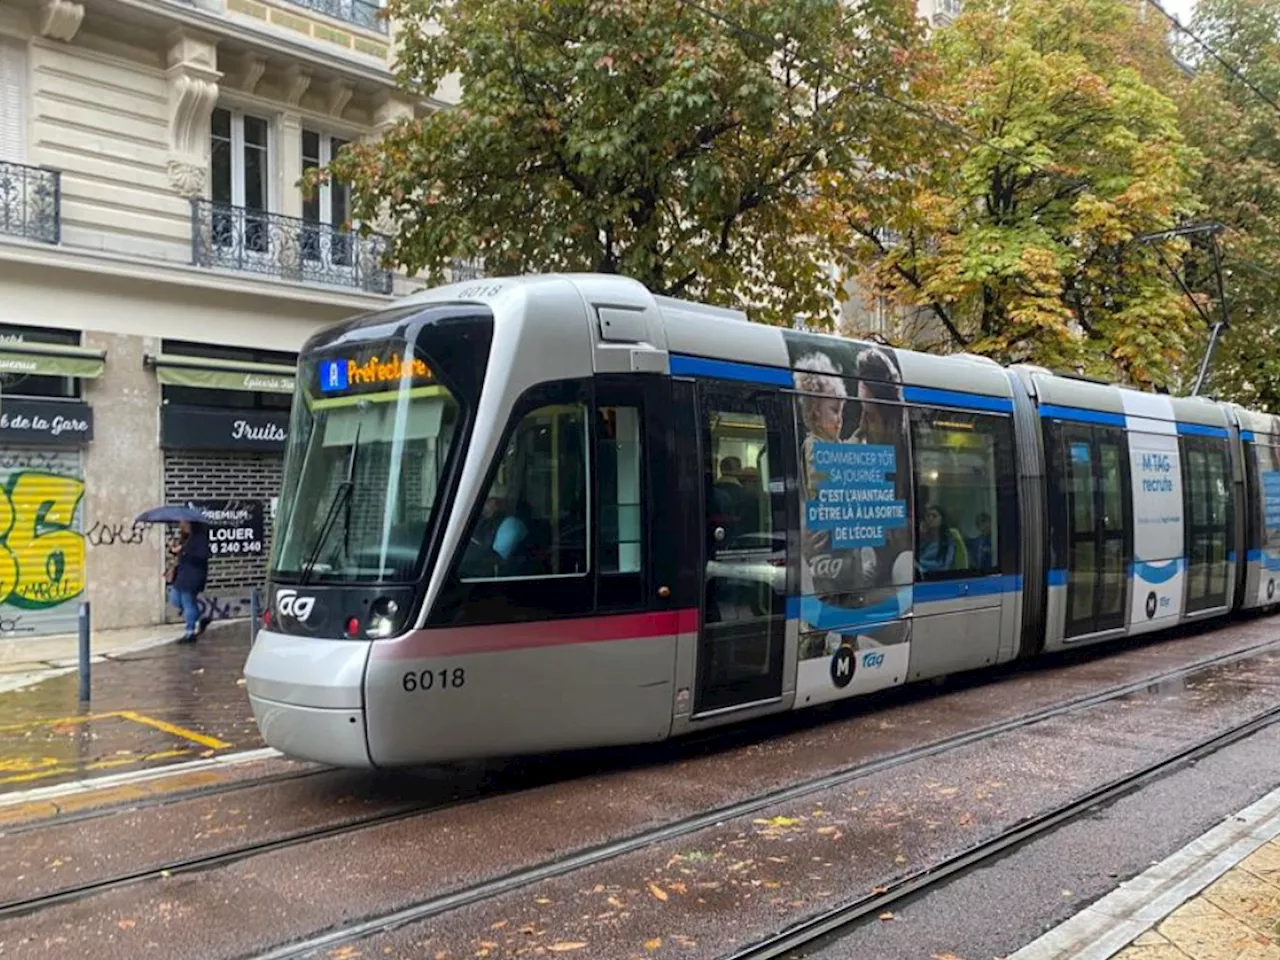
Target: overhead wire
(1230,68)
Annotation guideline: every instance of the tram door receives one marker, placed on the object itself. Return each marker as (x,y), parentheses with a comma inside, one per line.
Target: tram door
(1206,480)
(1098,543)
(743,637)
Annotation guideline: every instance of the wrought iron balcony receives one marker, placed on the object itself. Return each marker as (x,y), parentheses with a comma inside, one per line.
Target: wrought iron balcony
(360,13)
(30,202)
(253,241)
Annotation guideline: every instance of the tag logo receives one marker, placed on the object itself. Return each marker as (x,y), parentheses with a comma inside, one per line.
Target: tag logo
(292,605)
(872,660)
(827,566)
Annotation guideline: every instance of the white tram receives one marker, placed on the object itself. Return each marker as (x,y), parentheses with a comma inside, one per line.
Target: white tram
(529,514)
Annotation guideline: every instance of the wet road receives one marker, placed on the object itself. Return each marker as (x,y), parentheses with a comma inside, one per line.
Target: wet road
(745,880)
(993,912)
(693,893)
(163,705)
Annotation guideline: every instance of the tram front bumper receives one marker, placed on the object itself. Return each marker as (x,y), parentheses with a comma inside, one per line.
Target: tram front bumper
(307,697)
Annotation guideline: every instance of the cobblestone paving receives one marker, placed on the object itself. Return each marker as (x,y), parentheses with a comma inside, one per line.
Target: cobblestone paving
(1236,918)
(168,704)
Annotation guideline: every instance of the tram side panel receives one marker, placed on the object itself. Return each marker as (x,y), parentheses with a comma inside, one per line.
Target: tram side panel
(1155,466)
(1262,462)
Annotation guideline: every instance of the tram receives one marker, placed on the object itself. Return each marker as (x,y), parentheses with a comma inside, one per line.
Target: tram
(530,514)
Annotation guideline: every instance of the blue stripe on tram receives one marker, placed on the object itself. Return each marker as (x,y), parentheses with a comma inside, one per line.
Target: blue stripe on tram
(686,366)
(954,398)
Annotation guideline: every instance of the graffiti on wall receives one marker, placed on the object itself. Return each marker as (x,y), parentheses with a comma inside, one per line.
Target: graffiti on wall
(42,550)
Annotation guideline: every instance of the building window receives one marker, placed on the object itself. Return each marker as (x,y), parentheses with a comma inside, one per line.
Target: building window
(330,206)
(13,101)
(32,385)
(240,182)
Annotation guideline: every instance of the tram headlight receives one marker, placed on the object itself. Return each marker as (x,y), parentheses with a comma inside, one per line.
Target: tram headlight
(384,619)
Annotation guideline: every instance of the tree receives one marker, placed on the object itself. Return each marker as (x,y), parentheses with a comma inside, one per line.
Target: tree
(1019,230)
(1238,133)
(674,142)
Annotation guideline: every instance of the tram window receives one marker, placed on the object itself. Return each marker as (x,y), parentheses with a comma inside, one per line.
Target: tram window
(620,490)
(534,519)
(962,461)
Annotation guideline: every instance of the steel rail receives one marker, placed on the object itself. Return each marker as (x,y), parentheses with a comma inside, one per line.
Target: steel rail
(823,930)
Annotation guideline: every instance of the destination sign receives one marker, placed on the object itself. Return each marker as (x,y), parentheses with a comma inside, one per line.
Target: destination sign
(344,374)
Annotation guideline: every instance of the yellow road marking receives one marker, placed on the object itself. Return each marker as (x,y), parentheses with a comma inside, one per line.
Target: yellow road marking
(213,743)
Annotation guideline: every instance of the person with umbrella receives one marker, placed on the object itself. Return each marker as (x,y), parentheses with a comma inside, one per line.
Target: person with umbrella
(189,571)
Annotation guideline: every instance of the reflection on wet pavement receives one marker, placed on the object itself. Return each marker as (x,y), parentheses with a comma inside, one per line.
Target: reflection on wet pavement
(163,705)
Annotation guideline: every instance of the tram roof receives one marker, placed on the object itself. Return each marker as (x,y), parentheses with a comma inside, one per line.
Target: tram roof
(687,336)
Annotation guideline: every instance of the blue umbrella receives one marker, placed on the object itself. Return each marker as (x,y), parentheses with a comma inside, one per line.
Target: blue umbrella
(171,515)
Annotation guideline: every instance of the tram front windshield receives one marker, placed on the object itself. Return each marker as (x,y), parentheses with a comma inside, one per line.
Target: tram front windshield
(364,468)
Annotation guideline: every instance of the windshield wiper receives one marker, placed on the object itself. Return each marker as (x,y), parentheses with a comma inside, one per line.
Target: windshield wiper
(340,497)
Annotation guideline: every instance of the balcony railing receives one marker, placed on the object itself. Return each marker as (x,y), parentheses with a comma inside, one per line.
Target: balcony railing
(235,238)
(30,202)
(360,13)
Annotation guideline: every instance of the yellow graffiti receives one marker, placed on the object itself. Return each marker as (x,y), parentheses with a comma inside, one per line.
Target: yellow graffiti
(41,554)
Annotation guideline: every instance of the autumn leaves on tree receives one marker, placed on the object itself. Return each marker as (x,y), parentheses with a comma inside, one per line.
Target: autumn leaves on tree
(1002,175)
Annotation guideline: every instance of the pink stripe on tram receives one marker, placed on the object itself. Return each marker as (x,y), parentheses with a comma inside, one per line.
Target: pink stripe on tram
(452,641)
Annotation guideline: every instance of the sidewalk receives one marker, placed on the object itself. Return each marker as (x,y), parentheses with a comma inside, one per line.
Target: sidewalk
(1218,898)
(28,660)
(153,702)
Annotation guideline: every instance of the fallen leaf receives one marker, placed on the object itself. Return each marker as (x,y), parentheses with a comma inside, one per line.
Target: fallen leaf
(654,944)
(657,891)
(886,916)
(542,900)
(948,791)
(126,924)
(499,925)
(879,889)
(944,956)
(564,946)
(899,859)
(826,831)
(615,902)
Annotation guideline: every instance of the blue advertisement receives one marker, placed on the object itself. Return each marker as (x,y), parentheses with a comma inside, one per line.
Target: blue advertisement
(856,498)
(1271,500)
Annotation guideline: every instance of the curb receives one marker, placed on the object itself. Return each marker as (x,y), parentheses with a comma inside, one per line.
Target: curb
(1109,925)
(91,784)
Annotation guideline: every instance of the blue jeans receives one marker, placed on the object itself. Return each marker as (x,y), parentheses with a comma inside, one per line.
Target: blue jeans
(185,601)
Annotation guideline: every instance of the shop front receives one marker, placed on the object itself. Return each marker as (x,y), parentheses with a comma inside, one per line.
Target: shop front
(223,425)
(45,430)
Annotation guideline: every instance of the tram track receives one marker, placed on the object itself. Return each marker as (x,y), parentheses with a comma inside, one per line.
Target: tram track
(354,932)
(26,906)
(820,932)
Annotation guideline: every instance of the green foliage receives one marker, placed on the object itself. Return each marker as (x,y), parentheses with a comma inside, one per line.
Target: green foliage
(640,137)
(1021,236)
(1239,135)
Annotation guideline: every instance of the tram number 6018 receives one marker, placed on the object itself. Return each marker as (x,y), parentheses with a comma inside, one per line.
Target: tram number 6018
(427,679)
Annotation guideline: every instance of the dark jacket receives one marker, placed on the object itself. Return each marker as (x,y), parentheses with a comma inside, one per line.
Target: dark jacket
(193,562)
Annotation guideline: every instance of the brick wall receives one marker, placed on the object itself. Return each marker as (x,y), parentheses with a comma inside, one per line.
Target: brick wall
(226,476)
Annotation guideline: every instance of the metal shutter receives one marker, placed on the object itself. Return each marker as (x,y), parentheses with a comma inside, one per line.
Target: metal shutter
(13,101)
(45,491)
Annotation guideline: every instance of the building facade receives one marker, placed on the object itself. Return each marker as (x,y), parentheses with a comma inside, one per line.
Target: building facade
(159,269)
